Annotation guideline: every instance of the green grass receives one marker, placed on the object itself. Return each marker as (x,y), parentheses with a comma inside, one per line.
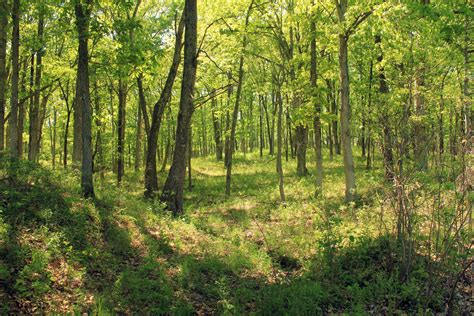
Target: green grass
(245,254)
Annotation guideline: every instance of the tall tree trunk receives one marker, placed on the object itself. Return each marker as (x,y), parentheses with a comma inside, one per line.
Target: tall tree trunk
(301,133)
(174,186)
(82,11)
(65,97)
(229,148)
(368,162)
(15,52)
(217,131)
(349,172)
(317,117)
(138,140)
(21,109)
(3,65)
(151,177)
(279,165)
(77,134)
(261,125)
(122,104)
(142,104)
(385,121)
(33,149)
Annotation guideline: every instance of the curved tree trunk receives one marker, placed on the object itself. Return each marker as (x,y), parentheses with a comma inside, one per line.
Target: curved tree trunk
(151,177)
(174,185)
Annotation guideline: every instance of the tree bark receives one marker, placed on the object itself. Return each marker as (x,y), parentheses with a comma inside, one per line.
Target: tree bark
(34,129)
(151,177)
(385,121)
(3,65)
(279,165)
(317,116)
(229,148)
(217,131)
(138,140)
(349,172)
(174,186)
(15,52)
(122,104)
(82,12)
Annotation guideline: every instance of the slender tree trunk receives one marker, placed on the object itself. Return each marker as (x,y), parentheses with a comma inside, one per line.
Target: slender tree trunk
(142,104)
(217,131)
(174,186)
(369,119)
(317,117)
(15,52)
(279,165)
(240,79)
(261,125)
(151,177)
(77,137)
(349,172)
(3,65)
(82,12)
(122,104)
(33,149)
(138,141)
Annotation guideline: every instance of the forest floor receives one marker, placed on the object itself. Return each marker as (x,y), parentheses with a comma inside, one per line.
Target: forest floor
(243,254)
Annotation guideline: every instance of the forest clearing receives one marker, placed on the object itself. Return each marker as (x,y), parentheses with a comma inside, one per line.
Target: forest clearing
(283,157)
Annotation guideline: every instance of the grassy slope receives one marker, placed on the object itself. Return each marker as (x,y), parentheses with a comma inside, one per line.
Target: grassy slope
(238,255)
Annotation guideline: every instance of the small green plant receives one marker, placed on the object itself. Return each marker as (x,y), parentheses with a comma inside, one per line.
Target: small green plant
(144,290)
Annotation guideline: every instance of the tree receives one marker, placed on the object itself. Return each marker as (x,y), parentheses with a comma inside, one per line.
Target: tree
(3,63)
(230,144)
(349,170)
(174,185)
(151,178)
(82,11)
(35,119)
(317,108)
(13,122)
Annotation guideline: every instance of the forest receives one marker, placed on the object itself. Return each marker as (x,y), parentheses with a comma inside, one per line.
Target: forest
(236,157)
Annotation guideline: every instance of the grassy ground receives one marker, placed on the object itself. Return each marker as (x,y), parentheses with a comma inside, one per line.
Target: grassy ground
(239,255)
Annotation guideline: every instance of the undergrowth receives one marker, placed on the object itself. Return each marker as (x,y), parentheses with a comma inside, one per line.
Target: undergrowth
(243,255)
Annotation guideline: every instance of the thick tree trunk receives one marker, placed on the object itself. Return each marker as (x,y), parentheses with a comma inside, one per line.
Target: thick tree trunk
(3,64)
(15,52)
(174,186)
(301,133)
(82,11)
(151,177)
(34,146)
